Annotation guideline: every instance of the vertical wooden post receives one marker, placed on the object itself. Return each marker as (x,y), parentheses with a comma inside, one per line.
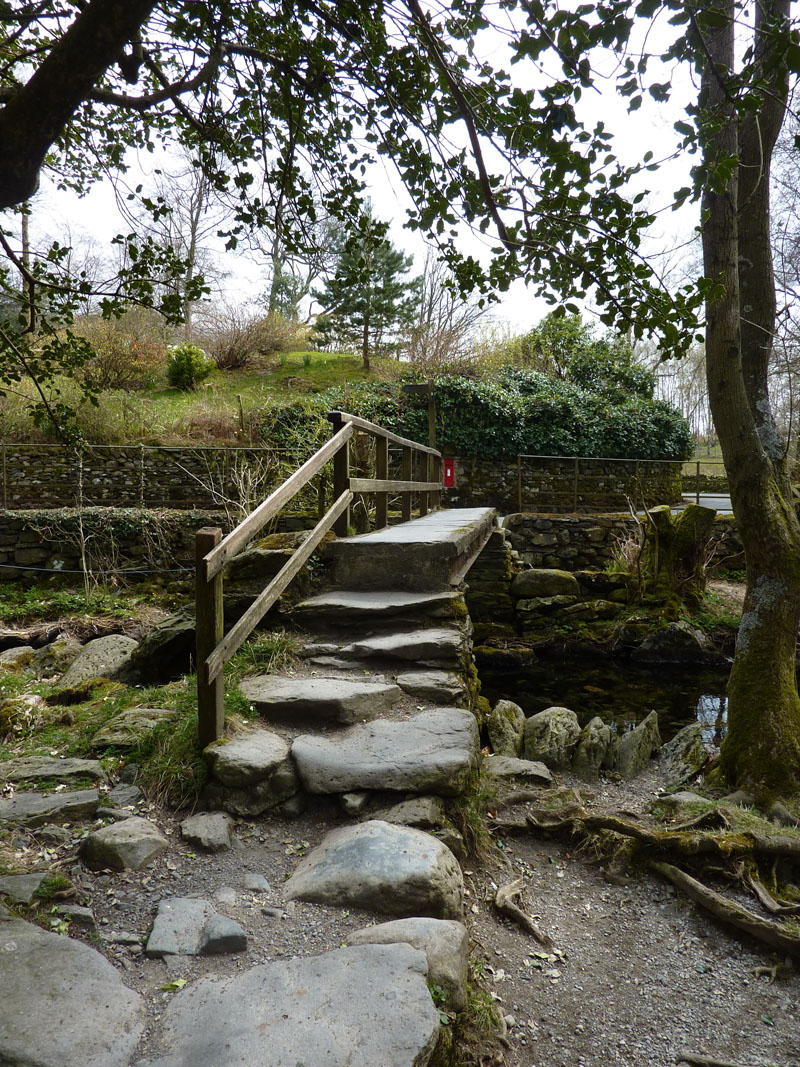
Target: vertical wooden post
(381,471)
(408,474)
(436,498)
(697,486)
(575,487)
(208,634)
(341,476)
(423,477)
(431,416)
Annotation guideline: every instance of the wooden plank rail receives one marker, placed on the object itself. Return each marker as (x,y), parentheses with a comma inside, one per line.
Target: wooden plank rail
(213,551)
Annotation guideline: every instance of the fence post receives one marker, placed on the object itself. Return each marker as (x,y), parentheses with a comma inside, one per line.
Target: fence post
(208,631)
(422,466)
(697,486)
(408,474)
(381,471)
(436,497)
(341,476)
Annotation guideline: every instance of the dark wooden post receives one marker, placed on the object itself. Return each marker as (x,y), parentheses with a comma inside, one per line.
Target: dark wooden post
(381,471)
(408,474)
(341,476)
(424,467)
(208,634)
(436,497)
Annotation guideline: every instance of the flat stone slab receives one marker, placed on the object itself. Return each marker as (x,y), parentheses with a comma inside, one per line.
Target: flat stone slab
(366,1006)
(445,943)
(372,606)
(128,728)
(435,752)
(433,645)
(523,769)
(387,868)
(131,843)
(21,888)
(340,700)
(101,658)
(443,687)
(64,1005)
(33,768)
(189,926)
(36,809)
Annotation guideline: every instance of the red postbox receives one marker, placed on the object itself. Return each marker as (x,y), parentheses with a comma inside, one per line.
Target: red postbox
(449,472)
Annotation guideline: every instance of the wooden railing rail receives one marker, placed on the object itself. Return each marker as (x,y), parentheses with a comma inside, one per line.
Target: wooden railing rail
(213,551)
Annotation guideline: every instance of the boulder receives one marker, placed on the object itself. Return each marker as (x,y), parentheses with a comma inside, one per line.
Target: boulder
(629,754)
(365,1006)
(435,752)
(386,868)
(64,1005)
(210,831)
(132,843)
(681,759)
(521,770)
(679,642)
(21,888)
(165,653)
(544,583)
(252,773)
(551,736)
(445,943)
(505,724)
(189,926)
(128,728)
(56,657)
(591,750)
(102,658)
(426,813)
(16,659)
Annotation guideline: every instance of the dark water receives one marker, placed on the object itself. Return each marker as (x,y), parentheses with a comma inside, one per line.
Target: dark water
(622,694)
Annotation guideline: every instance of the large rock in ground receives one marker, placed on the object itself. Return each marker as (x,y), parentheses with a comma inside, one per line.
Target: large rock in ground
(56,657)
(132,843)
(37,768)
(445,943)
(591,750)
(252,773)
(435,752)
(189,926)
(128,728)
(102,658)
(509,768)
(505,725)
(551,736)
(366,1006)
(386,868)
(544,583)
(630,754)
(209,830)
(63,1004)
(165,653)
(676,643)
(342,700)
(682,758)
(36,809)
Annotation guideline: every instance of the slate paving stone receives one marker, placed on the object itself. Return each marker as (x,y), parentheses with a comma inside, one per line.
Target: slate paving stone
(36,809)
(342,700)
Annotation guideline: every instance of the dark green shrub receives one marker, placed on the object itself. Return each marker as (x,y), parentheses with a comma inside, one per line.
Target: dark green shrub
(187,365)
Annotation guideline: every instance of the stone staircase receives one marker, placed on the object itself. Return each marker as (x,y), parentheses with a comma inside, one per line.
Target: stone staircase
(375,732)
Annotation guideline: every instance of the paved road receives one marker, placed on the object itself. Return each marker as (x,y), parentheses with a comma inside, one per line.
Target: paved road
(720,501)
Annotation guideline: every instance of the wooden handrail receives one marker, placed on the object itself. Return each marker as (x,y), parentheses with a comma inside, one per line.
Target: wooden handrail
(213,552)
(378,431)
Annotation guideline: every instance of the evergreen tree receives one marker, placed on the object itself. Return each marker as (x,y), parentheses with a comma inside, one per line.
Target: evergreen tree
(369,295)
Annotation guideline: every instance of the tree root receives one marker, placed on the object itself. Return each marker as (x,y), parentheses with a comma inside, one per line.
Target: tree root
(696,1060)
(770,933)
(504,903)
(766,899)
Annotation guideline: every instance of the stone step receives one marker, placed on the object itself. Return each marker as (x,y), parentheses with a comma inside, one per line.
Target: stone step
(430,553)
(434,752)
(435,646)
(369,609)
(341,700)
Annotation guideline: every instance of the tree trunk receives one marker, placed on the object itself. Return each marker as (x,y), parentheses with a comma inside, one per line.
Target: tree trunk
(762,749)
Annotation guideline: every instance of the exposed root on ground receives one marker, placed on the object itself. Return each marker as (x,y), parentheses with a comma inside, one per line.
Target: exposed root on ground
(504,902)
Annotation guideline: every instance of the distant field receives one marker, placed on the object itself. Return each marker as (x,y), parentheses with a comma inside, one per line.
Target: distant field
(710,459)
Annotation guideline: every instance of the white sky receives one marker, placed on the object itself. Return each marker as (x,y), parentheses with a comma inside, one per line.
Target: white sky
(95,217)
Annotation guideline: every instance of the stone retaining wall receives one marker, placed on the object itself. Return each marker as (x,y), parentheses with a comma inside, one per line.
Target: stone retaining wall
(574,542)
(563,485)
(138,542)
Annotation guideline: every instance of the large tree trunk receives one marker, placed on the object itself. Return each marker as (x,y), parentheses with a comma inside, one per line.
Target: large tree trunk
(762,748)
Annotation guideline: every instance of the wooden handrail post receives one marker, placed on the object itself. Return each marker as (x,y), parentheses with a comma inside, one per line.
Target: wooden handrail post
(341,476)
(422,464)
(436,476)
(408,474)
(381,471)
(208,634)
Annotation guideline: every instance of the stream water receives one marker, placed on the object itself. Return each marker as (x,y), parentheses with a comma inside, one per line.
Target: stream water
(621,693)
